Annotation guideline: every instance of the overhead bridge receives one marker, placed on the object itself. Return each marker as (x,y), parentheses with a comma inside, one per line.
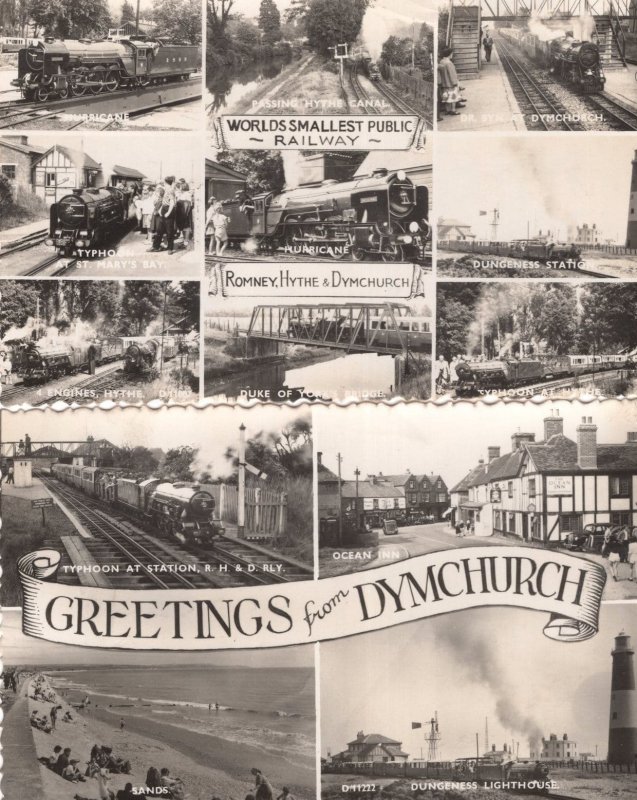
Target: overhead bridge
(352,327)
(27,448)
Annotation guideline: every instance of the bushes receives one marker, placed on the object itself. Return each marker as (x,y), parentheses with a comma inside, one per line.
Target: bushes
(6,195)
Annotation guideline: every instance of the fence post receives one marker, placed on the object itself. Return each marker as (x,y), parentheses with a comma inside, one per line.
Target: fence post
(222,501)
(241,500)
(283,515)
(257,510)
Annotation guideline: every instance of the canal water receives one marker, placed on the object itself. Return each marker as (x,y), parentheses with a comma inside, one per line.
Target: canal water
(225,89)
(360,375)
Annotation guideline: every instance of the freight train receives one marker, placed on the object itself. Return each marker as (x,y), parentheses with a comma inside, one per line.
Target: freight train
(382,217)
(82,221)
(60,68)
(527,777)
(576,63)
(525,249)
(180,511)
(475,377)
(142,356)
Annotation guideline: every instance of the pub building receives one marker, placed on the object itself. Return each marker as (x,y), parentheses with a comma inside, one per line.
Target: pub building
(543,490)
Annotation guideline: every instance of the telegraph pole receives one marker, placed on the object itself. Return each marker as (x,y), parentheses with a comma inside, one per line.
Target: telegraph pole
(339,459)
(357,472)
(241,504)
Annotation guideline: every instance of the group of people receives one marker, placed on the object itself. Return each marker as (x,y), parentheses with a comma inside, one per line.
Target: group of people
(62,764)
(445,374)
(620,546)
(164,212)
(216,227)
(463,528)
(6,368)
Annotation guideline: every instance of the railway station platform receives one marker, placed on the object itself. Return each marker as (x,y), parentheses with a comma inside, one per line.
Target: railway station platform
(622,84)
(38,491)
(491,105)
(13,236)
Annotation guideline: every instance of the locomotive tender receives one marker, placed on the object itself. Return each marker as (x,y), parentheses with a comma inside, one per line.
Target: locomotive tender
(39,363)
(70,67)
(383,216)
(577,63)
(180,511)
(500,374)
(82,221)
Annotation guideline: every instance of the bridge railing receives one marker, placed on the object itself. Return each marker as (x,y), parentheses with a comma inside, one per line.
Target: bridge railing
(546,9)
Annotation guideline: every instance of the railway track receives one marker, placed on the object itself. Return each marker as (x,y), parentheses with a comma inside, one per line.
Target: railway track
(45,263)
(527,390)
(543,113)
(25,243)
(240,558)
(114,544)
(106,380)
(615,113)
(363,99)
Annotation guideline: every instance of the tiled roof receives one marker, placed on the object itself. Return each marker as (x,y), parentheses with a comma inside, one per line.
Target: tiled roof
(93,448)
(472,478)
(369,489)
(375,738)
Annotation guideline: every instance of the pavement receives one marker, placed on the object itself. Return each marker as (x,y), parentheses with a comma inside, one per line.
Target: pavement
(11,235)
(622,83)
(21,776)
(491,105)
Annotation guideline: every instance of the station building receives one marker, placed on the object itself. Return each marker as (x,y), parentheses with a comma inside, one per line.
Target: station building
(542,490)
(374,747)
(554,749)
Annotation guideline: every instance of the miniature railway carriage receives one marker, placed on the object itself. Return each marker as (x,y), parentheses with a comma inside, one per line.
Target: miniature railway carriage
(60,68)
(528,249)
(383,216)
(84,219)
(180,511)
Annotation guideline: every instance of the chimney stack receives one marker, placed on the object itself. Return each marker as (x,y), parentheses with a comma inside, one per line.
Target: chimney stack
(622,734)
(493,452)
(519,438)
(631,230)
(319,458)
(587,444)
(553,426)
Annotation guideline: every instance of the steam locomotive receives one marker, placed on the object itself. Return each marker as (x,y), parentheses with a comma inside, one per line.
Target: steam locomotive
(179,511)
(527,249)
(577,63)
(383,216)
(142,355)
(61,68)
(501,374)
(82,221)
(39,363)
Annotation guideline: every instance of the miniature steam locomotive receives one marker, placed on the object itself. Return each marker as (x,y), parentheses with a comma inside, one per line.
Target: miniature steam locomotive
(76,67)
(527,249)
(577,63)
(82,221)
(383,216)
(180,511)
(39,363)
(142,355)
(501,374)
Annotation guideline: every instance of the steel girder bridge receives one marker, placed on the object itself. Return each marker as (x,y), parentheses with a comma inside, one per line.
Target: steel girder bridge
(26,448)
(352,327)
(510,10)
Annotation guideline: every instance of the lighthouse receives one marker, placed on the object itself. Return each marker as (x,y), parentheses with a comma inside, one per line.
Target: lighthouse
(622,734)
(631,231)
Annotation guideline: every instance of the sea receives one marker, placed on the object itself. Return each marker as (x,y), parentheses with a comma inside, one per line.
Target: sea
(271,709)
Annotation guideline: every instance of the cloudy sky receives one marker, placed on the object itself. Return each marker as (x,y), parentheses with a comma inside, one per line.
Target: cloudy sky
(154,154)
(20,649)
(549,181)
(447,440)
(493,663)
(211,430)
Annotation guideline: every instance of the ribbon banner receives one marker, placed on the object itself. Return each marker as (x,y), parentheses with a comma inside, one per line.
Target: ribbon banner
(337,132)
(369,280)
(566,587)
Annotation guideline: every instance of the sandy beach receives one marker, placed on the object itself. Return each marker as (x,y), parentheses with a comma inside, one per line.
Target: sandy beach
(209,766)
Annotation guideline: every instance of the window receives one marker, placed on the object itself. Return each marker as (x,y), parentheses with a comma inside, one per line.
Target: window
(570,523)
(510,488)
(620,518)
(411,484)
(375,503)
(49,178)
(8,170)
(619,486)
(531,487)
(442,497)
(396,505)
(511,522)
(439,485)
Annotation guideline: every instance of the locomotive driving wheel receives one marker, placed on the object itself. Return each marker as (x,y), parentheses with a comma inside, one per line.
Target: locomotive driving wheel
(41,94)
(391,253)
(111,82)
(97,77)
(77,90)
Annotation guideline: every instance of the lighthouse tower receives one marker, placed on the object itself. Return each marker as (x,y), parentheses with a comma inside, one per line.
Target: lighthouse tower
(622,735)
(631,232)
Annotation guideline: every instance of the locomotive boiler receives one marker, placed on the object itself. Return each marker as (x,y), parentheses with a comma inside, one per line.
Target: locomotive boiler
(83,220)
(44,362)
(383,216)
(70,67)
(142,355)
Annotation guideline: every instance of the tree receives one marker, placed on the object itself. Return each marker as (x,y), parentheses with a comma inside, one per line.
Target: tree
(286,453)
(127,13)
(70,18)
(270,21)
(141,304)
(185,302)
(178,464)
(608,319)
(6,195)
(263,168)
(137,459)
(218,18)
(18,300)
(178,20)
(331,22)
(456,304)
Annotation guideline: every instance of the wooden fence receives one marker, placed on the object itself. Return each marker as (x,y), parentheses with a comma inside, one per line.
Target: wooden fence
(414,85)
(594,766)
(266,510)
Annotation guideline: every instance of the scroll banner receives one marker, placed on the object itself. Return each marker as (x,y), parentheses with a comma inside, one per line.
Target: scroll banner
(312,132)
(369,280)
(566,587)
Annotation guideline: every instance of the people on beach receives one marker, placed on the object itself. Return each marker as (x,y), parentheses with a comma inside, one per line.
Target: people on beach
(285,794)
(40,723)
(71,771)
(127,793)
(64,759)
(175,785)
(263,787)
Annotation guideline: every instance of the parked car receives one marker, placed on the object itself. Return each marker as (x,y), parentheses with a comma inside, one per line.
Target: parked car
(390,527)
